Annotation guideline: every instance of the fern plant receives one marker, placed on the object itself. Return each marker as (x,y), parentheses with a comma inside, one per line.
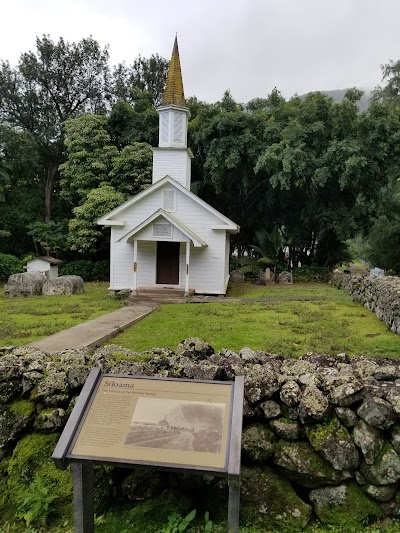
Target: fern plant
(36,506)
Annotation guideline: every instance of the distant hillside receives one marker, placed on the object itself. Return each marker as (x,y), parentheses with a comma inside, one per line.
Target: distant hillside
(338,95)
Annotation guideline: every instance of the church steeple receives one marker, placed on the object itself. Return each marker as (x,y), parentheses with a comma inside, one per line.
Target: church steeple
(174,94)
(172,156)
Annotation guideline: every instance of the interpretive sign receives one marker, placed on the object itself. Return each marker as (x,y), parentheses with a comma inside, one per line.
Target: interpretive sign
(157,423)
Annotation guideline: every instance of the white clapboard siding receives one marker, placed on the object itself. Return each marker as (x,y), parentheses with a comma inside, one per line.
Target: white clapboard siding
(173,162)
(208,272)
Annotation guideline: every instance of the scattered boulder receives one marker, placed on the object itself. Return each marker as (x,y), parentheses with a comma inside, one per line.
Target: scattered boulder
(236,277)
(63,285)
(286,277)
(270,409)
(25,284)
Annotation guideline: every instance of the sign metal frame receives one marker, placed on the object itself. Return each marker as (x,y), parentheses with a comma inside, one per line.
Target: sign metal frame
(82,466)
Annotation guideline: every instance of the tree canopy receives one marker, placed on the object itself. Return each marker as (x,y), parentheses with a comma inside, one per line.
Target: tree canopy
(301,176)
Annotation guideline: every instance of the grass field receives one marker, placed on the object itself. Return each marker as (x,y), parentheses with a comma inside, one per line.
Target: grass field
(24,320)
(290,328)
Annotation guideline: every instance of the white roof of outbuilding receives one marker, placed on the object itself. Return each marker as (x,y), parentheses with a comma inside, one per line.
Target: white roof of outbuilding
(48,259)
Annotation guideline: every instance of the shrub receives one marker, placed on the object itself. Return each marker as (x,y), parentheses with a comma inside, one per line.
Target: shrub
(311,273)
(88,270)
(9,264)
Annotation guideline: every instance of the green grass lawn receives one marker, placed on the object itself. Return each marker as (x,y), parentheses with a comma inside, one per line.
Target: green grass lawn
(248,290)
(24,320)
(290,328)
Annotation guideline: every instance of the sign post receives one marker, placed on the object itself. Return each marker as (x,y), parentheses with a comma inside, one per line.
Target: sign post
(154,423)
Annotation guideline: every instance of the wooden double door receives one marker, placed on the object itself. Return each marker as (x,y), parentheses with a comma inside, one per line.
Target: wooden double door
(167,263)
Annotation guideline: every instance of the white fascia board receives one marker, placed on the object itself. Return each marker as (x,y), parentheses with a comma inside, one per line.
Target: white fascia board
(120,223)
(230,229)
(105,220)
(196,240)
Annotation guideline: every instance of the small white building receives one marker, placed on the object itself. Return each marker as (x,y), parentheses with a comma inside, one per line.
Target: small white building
(45,264)
(167,237)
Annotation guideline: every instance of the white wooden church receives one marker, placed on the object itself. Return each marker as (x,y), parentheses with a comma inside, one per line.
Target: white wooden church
(165,236)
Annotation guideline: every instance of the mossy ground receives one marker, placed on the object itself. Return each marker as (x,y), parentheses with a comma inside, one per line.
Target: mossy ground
(354,513)
(32,483)
(24,320)
(290,328)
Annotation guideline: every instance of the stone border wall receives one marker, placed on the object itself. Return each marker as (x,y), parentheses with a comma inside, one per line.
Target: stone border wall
(380,295)
(321,435)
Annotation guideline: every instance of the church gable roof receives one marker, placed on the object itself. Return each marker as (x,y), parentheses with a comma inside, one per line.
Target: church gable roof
(197,241)
(115,217)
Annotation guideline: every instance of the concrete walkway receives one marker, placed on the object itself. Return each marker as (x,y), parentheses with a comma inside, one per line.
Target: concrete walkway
(94,332)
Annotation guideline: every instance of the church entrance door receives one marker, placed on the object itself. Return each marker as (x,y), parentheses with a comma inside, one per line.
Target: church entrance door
(167,263)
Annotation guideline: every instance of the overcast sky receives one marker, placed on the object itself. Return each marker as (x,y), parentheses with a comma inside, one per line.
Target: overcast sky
(247,46)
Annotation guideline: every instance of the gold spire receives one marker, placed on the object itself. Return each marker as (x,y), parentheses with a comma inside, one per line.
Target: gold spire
(173,93)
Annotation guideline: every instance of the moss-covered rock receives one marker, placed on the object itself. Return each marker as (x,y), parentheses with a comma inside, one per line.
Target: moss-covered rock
(14,419)
(53,390)
(258,442)
(301,463)
(51,420)
(346,416)
(385,470)
(333,441)
(34,482)
(261,382)
(377,413)
(269,501)
(345,505)
(313,406)
(286,429)
(9,390)
(369,439)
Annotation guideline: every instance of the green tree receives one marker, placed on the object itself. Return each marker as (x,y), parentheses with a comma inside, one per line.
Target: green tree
(90,156)
(96,177)
(51,236)
(84,235)
(390,92)
(227,141)
(323,174)
(132,169)
(59,81)
(136,121)
(145,74)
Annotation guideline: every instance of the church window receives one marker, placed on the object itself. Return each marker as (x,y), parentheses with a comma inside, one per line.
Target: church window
(169,200)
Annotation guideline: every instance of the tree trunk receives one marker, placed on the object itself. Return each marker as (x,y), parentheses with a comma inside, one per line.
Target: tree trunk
(48,190)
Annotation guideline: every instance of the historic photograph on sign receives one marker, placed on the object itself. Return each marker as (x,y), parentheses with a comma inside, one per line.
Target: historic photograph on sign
(177,425)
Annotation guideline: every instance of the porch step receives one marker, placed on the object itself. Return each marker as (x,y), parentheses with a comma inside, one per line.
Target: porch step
(158,296)
(164,292)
